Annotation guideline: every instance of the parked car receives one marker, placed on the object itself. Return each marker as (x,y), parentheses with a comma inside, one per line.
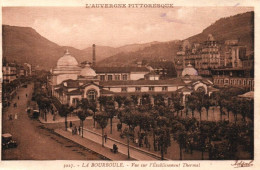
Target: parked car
(7,141)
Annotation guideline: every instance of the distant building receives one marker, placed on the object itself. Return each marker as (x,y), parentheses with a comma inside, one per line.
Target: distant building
(203,57)
(9,72)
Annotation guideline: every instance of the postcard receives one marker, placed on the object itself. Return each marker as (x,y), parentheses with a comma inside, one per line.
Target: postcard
(127,84)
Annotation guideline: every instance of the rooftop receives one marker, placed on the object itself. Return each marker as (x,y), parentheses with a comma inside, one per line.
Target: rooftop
(143,82)
(120,69)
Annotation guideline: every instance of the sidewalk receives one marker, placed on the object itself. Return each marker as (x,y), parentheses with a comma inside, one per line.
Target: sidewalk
(135,152)
(91,145)
(58,119)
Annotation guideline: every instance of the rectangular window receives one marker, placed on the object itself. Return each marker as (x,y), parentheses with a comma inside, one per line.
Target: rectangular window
(109,77)
(124,89)
(102,77)
(124,77)
(226,81)
(137,88)
(165,88)
(117,77)
(151,88)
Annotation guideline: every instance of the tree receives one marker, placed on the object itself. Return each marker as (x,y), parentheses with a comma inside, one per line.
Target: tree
(120,100)
(159,100)
(102,120)
(131,118)
(192,104)
(110,110)
(64,111)
(82,116)
(93,107)
(127,132)
(180,134)
(206,104)
(102,101)
(46,106)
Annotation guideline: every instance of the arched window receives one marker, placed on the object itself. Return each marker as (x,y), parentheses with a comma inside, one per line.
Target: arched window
(201,89)
(91,95)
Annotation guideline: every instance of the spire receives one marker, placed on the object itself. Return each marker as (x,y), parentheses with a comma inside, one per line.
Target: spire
(94,54)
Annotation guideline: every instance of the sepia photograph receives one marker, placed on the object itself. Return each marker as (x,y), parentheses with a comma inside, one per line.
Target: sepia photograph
(128,84)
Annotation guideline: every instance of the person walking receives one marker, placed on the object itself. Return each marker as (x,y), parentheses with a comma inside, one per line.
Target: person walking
(105,136)
(15,116)
(26,95)
(70,124)
(18,97)
(79,130)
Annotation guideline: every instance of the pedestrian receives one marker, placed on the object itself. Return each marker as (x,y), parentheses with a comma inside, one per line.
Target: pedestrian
(75,130)
(15,116)
(10,116)
(70,124)
(54,117)
(146,141)
(105,136)
(18,97)
(79,130)
(26,95)
(136,141)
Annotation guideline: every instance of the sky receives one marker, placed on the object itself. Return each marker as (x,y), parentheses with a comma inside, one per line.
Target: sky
(81,27)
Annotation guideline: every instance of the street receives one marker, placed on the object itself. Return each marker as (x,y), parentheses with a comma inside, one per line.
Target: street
(35,141)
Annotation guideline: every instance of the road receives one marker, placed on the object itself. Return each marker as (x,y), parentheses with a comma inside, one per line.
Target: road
(35,141)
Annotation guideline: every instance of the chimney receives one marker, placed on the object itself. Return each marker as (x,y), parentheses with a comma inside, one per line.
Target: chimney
(94,54)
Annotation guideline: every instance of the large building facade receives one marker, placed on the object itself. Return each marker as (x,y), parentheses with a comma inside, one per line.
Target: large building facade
(69,82)
(229,64)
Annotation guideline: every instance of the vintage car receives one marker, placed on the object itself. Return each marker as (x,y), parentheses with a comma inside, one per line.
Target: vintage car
(7,141)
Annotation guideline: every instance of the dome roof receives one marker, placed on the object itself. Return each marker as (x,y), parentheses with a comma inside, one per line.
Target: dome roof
(190,71)
(67,60)
(87,72)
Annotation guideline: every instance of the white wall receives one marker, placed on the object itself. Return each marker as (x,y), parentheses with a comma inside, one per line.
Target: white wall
(62,77)
(137,76)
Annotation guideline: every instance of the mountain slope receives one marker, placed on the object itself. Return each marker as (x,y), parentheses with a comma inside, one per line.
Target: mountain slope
(240,27)
(103,52)
(24,44)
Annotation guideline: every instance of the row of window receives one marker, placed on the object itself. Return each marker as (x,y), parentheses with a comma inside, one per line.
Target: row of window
(234,82)
(138,89)
(116,77)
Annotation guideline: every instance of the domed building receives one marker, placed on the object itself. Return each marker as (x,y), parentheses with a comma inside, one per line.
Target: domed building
(70,82)
(87,73)
(66,68)
(189,71)
(67,61)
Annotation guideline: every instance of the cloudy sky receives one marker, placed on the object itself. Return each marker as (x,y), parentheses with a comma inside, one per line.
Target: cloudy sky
(80,27)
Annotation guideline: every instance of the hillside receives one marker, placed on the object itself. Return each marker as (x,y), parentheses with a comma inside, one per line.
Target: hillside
(240,27)
(24,44)
(153,52)
(103,52)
